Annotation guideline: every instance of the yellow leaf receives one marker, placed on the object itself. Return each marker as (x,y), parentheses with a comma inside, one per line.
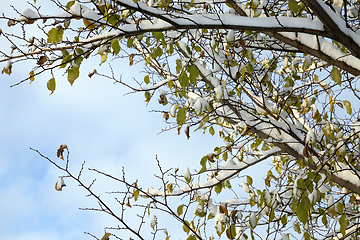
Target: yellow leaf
(348,106)
(103,58)
(89,24)
(31,76)
(106,236)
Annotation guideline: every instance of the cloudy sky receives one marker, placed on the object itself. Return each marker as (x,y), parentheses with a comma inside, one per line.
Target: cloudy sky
(100,125)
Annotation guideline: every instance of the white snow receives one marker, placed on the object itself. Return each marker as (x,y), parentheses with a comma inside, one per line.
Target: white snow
(187,174)
(245,187)
(28,14)
(76,9)
(60,184)
(253,220)
(230,36)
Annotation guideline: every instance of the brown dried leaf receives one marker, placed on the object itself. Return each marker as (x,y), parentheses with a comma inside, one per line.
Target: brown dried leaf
(60,151)
(202,54)
(128,203)
(306,151)
(166,116)
(137,22)
(179,130)
(242,43)
(233,215)
(92,73)
(267,181)
(42,60)
(11,23)
(60,184)
(31,40)
(210,157)
(340,104)
(223,209)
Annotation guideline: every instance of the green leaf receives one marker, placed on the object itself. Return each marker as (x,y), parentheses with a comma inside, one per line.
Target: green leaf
(284,220)
(65,61)
(179,210)
(225,156)
(113,19)
(184,79)
(186,228)
(147,79)
(55,36)
(203,164)
(231,232)
(136,194)
(194,73)
(336,75)
(197,48)
(69,4)
(348,106)
(158,52)
(211,130)
(228,184)
(147,96)
(158,36)
(218,188)
(191,237)
(65,53)
(249,68)
(51,85)
(249,180)
(340,208)
(342,224)
(324,221)
(79,51)
(302,210)
(73,74)
(181,116)
(170,188)
(78,60)
(293,6)
(115,46)
(130,42)
(306,236)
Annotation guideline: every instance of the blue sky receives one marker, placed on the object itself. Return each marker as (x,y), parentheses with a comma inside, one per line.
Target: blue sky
(100,126)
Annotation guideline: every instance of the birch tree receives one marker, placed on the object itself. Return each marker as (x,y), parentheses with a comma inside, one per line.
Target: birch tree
(275,79)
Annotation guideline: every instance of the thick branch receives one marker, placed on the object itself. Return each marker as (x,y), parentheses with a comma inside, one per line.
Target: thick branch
(304,48)
(335,26)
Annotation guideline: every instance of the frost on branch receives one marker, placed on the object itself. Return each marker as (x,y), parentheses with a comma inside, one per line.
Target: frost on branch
(275,80)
